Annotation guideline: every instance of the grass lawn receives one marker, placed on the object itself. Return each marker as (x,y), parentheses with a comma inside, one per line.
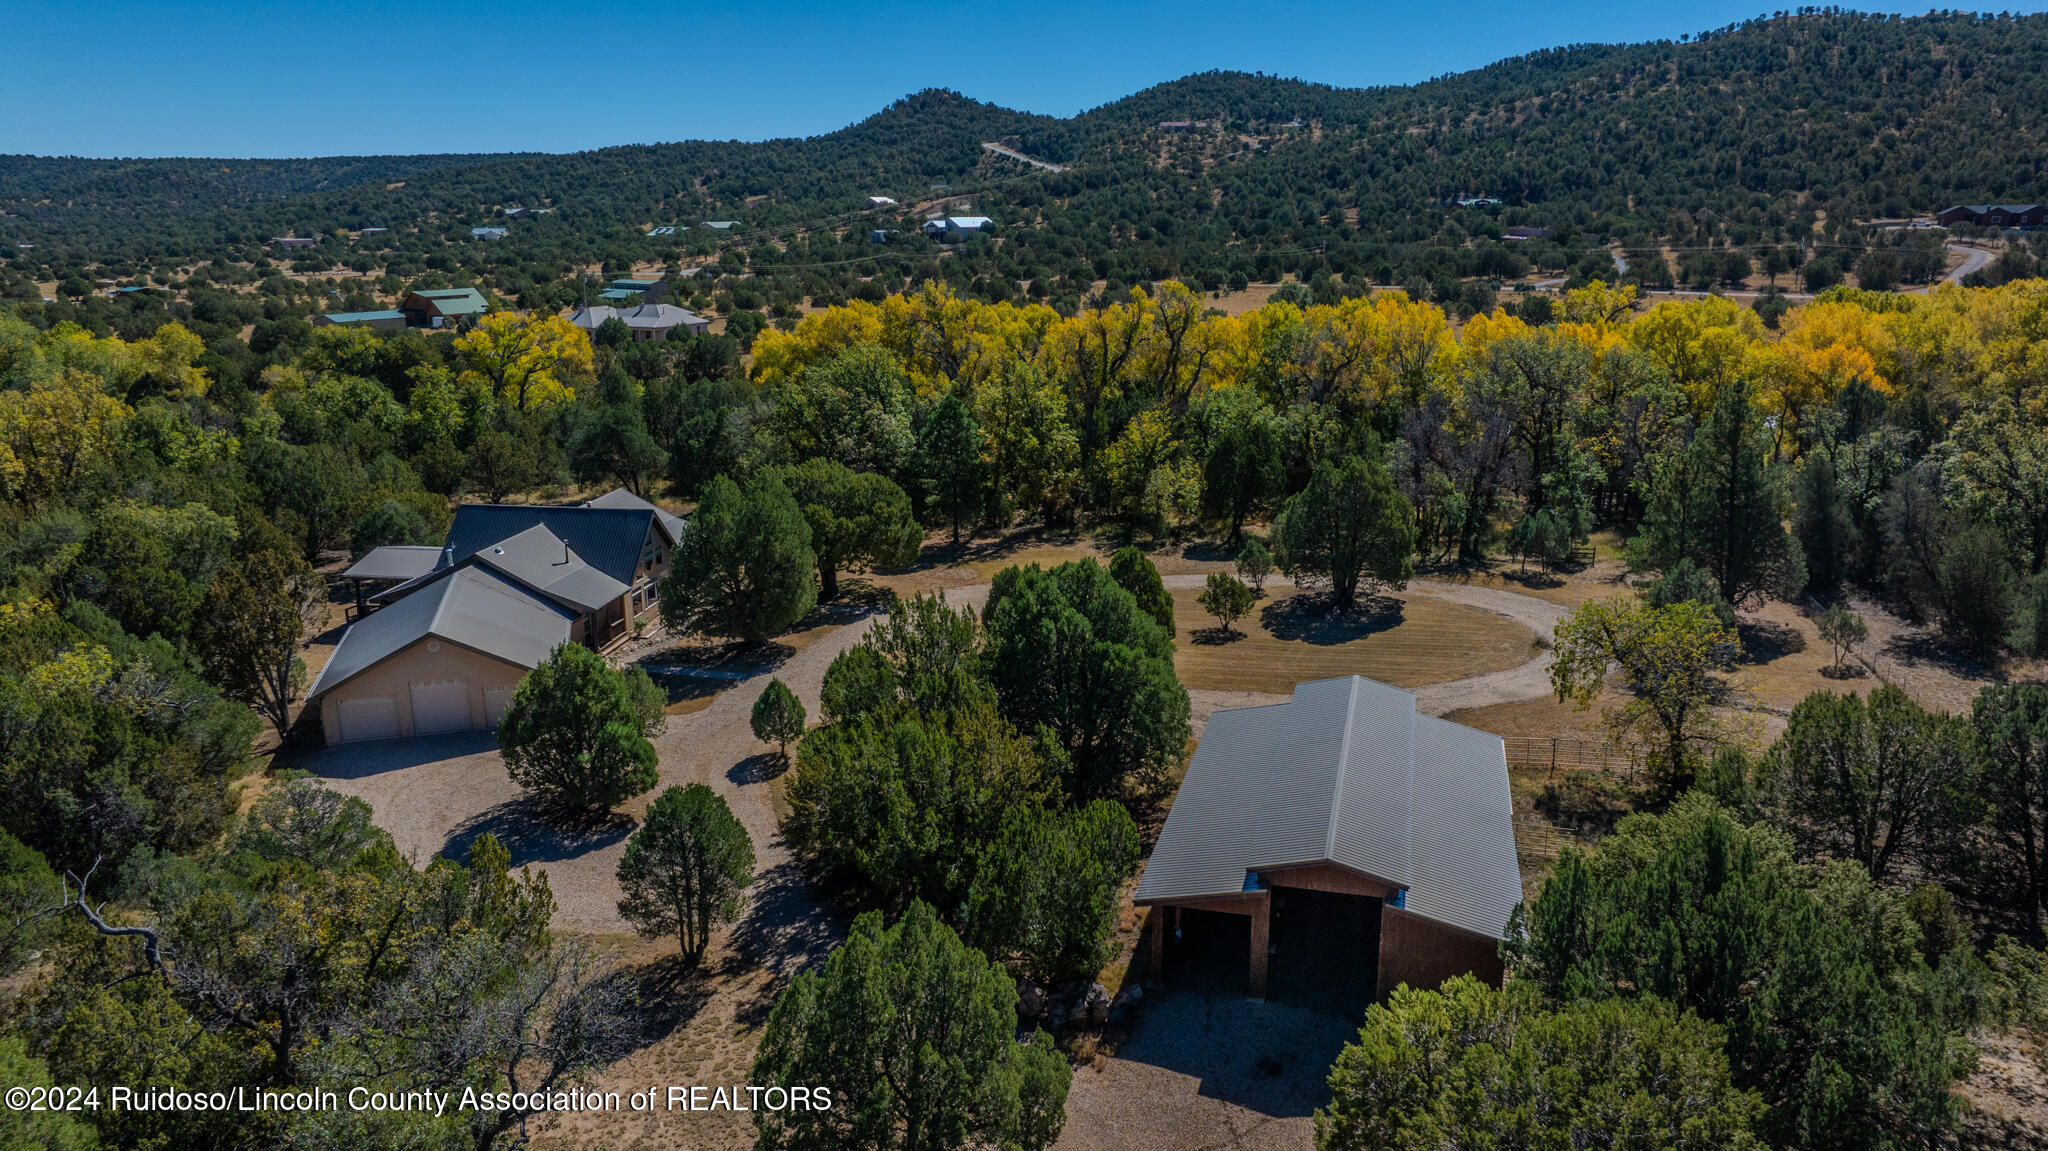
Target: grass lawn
(1283,643)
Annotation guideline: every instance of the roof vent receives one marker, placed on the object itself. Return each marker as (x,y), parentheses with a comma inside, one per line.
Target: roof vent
(497,551)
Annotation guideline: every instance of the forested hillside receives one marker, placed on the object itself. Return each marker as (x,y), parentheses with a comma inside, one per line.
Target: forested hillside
(1759,123)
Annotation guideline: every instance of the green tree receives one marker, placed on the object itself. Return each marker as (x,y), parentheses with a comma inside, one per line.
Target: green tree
(745,567)
(1829,1008)
(251,622)
(1459,1067)
(1349,526)
(949,461)
(1135,574)
(1868,780)
(1046,891)
(778,716)
(1671,658)
(1720,502)
(686,869)
(1822,524)
(613,446)
(1254,564)
(2009,723)
(28,889)
(1227,598)
(859,682)
(901,806)
(1841,629)
(1242,472)
(1071,650)
(576,734)
(857,519)
(502,465)
(1977,588)
(915,1033)
(854,407)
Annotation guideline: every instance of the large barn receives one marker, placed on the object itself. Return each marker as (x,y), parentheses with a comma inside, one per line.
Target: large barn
(1325,850)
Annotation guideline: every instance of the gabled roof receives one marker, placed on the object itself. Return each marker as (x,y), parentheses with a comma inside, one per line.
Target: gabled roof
(453,301)
(394,561)
(621,498)
(658,316)
(362,317)
(1346,773)
(539,559)
(607,539)
(470,606)
(968,221)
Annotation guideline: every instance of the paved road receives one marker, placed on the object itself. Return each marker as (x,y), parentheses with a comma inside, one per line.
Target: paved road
(1013,154)
(1973,259)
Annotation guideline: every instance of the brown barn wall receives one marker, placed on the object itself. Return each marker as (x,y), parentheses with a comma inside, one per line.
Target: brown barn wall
(1326,877)
(1423,953)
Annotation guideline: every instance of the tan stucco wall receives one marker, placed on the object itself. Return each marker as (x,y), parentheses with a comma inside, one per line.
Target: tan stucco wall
(396,675)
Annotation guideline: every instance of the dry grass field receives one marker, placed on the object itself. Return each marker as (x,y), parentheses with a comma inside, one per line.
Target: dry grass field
(1413,640)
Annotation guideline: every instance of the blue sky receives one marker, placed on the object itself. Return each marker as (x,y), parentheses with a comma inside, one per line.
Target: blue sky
(175,78)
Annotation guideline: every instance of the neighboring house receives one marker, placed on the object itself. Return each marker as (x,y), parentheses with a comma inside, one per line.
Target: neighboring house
(1995,215)
(525,213)
(489,233)
(446,644)
(296,241)
(665,230)
(958,228)
(880,235)
(1526,234)
(722,225)
(1328,849)
(638,291)
(1476,201)
(442,307)
(1181,125)
(880,202)
(392,318)
(650,323)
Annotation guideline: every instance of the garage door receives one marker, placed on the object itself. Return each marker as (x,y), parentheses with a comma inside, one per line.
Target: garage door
(375,717)
(439,707)
(496,699)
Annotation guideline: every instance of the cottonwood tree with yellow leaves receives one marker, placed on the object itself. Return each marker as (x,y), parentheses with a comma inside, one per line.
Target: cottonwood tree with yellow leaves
(530,362)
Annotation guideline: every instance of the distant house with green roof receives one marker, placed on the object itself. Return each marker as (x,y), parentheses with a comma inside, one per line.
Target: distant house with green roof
(635,291)
(442,307)
(391,318)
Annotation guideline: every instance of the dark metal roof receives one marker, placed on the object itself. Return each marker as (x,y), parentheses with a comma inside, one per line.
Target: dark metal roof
(469,606)
(621,498)
(394,561)
(607,539)
(1346,773)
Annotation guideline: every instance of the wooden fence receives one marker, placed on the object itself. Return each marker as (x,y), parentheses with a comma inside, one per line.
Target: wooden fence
(1552,753)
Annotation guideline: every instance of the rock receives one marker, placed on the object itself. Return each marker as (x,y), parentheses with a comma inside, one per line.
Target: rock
(1096,1004)
(1128,996)
(1030,1000)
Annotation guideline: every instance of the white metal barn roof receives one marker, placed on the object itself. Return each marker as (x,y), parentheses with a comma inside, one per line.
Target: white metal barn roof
(1346,773)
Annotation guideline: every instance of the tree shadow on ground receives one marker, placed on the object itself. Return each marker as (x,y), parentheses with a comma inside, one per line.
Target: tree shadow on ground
(1928,649)
(362,760)
(672,992)
(1763,641)
(731,662)
(682,687)
(785,929)
(758,768)
(968,551)
(1534,579)
(1270,1058)
(1212,636)
(1210,551)
(536,832)
(1312,618)
(1848,670)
